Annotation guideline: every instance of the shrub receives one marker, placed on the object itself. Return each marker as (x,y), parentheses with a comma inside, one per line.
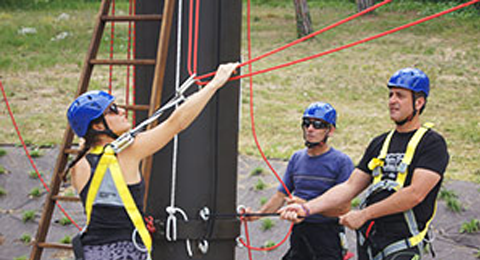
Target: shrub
(28,215)
(33,174)
(35,192)
(65,221)
(36,153)
(3,192)
(257,171)
(66,240)
(260,185)
(26,238)
(3,152)
(2,170)
(267,224)
(268,244)
(454,205)
(447,194)
(470,227)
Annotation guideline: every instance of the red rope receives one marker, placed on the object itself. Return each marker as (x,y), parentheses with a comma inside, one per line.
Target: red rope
(355,43)
(134,73)
(254,133)
(40,177)
(129,50)
(325,29)
(190,26)
(358,42)
(112,37)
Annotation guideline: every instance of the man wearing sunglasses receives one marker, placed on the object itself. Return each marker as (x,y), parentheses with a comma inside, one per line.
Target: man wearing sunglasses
(403,170)
(310,173)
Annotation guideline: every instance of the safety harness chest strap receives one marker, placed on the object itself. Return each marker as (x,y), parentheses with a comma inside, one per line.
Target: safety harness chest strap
(108,163)
(376,165)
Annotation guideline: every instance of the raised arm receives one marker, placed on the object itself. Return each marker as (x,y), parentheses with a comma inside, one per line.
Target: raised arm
(151,141)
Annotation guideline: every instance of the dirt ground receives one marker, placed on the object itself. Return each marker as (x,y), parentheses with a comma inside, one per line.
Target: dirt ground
(448,242)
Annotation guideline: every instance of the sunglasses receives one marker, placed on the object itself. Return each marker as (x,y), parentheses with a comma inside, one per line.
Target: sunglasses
(112,109)
(316,124)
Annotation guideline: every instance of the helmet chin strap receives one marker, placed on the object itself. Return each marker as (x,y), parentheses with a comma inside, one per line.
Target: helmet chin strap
(107,130)
(309,144)
(411,116)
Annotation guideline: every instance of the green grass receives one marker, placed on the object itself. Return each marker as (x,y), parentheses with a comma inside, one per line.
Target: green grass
(66,239)
(470,227)
(257,171)
(26,238)
(446,194)
(35,192)
(263,200)
(352,80)
(64,221)
(28,215)
(267,224)
(2,169)
(33,174)
(20,258)
(36,153)
(268,244)
(260,185)
(454,205)
(3,191)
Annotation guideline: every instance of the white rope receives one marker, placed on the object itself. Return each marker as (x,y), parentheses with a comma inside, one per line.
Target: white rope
(171,225)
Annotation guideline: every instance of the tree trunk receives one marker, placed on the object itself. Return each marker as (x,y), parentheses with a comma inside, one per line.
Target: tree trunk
(304,22)
(364,4)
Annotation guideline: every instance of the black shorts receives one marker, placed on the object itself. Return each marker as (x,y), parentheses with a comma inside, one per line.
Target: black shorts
(314,241)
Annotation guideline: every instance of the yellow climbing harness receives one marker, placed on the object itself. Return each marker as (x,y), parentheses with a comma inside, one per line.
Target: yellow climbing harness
(108,164)
(376,166)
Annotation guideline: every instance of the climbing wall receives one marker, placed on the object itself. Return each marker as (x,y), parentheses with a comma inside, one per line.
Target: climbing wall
(207,151)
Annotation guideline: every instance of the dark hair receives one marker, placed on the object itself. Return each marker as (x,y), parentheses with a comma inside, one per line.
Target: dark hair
(91,137)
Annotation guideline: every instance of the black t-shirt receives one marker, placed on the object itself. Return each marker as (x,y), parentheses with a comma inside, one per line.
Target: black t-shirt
(431,154)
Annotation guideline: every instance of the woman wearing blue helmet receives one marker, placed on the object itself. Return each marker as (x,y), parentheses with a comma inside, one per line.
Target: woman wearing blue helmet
(95,117)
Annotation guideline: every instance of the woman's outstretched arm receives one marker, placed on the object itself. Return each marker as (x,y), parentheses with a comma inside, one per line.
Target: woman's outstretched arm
(151,141)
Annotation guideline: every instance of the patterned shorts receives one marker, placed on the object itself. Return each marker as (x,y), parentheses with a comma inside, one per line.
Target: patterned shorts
(123,250)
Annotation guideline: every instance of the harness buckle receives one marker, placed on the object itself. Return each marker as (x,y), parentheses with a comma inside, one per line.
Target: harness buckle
(402,168)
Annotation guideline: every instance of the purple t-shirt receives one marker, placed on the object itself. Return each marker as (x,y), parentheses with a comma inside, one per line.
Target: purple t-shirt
(308,177)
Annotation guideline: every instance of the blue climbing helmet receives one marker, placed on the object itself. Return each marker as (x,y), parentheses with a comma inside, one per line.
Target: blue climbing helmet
(86,108)
(412,79)
(323,111)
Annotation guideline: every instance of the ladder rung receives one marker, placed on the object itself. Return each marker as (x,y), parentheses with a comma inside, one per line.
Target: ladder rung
(54,245)
(123,62)
(71,151)
(135,107)
(66,198)
(129,18)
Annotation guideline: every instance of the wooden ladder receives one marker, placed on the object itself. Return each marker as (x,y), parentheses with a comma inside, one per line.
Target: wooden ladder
(66,148)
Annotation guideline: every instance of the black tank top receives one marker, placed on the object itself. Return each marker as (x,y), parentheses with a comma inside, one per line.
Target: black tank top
(109,223)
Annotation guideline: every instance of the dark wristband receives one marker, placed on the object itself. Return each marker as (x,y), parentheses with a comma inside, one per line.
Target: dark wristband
(305,209)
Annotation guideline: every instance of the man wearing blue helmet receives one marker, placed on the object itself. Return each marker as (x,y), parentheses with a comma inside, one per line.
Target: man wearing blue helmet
(310,173)
(403,171)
